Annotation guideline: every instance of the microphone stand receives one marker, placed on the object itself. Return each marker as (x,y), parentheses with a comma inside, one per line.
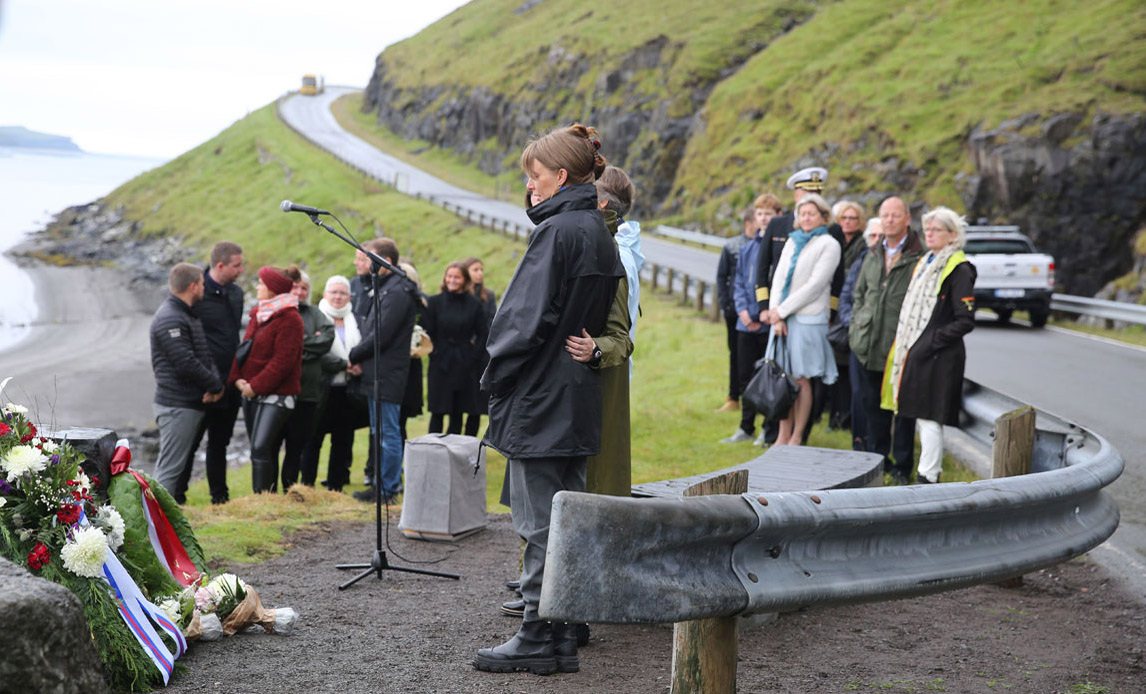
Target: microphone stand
(378,563)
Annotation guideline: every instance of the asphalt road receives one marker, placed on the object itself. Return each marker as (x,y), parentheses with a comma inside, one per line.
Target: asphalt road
(311,116)
(1098,384)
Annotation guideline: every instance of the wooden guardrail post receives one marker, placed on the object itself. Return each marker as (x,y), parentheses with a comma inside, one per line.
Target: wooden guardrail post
(1014,443)
(1012,452)
(656,273)
(684,290)
(671,277)
(701,287)
(704,651)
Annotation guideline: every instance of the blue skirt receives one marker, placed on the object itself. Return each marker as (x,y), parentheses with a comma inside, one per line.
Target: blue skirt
(807,352)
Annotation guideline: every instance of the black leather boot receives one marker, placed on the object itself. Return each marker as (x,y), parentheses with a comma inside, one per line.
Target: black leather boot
(531,648)
(565,647)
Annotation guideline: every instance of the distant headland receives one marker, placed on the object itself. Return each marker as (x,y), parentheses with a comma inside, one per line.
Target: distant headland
(19,136)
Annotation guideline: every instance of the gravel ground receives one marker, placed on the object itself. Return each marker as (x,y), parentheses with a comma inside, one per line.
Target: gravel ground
(1065,626)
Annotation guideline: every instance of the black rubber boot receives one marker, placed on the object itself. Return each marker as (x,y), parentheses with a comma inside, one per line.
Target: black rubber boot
(565,647)
(531,648)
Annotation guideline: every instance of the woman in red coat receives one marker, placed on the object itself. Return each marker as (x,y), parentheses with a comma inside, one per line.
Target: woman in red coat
(269,377)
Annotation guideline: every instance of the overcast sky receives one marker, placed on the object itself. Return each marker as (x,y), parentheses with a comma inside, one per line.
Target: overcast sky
(157,77)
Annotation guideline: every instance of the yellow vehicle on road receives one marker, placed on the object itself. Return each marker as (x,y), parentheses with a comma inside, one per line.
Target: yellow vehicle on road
(311,85)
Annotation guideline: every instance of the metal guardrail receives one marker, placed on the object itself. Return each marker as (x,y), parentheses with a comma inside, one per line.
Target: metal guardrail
(696,237)
(620,560)
(1121,311)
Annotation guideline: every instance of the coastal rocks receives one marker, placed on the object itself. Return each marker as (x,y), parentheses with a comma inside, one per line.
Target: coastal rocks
(44,637)
(93,234)
(1075,185)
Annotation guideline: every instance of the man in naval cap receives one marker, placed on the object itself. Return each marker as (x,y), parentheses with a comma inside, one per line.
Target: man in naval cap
(801,183)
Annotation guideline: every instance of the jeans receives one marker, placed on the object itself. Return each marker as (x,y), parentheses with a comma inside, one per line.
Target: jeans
(391,436)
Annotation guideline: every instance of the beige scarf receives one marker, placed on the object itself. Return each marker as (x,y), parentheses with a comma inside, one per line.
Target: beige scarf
(918,304)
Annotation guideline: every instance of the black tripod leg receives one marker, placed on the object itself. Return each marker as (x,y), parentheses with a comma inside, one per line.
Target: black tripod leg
(358,578)
(440,574)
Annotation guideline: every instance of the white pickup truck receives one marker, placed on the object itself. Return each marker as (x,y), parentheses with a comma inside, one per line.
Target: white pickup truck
(1012,275)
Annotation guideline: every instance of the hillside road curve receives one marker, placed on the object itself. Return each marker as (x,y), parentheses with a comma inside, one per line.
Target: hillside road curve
(1099,385)
(311,116)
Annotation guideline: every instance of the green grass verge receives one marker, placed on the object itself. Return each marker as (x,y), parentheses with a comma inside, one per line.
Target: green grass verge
(679,366)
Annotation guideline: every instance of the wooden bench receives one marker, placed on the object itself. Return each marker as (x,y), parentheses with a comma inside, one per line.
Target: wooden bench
(788,469)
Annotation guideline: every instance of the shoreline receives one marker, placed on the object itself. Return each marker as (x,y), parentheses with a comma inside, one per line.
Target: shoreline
(85,360)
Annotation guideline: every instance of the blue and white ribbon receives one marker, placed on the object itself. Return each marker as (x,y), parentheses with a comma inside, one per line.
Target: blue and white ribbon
(139,614)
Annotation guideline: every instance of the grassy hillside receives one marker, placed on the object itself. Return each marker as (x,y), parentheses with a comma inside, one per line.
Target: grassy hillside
(885,93)
(230,187)
(911,83)
(491,43)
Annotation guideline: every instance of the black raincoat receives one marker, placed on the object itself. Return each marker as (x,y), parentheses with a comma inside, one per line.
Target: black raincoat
(543,404)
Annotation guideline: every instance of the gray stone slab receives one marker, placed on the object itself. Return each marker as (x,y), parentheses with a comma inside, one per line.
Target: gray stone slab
(788,469)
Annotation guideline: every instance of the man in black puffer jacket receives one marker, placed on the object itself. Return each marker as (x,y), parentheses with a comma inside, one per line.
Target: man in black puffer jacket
(221,312)
(396,299)
(185,376)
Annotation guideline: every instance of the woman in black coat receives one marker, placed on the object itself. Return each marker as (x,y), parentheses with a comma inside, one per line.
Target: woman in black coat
(476,271)
(545,407)
(924,375)
(455,321)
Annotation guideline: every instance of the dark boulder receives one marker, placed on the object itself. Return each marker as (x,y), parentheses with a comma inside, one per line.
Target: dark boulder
(45,640)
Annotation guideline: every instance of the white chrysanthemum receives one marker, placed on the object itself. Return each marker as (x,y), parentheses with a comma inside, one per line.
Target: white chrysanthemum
(86,553)
(3,501)
(51,446)
(114,527)
(171,608)
(23,459)
(13,408)
(223,584)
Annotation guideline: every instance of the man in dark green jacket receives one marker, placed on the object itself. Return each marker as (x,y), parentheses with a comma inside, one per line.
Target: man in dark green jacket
(880,288)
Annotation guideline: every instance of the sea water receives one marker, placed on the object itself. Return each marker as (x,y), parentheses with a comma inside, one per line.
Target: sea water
(35,184)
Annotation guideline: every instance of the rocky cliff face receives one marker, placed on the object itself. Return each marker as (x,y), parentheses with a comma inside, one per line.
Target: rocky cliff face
(1076,185)
(646,135)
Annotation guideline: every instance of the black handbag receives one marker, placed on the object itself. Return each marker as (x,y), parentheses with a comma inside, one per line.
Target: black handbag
(838,337)
(243,351)
(771,390)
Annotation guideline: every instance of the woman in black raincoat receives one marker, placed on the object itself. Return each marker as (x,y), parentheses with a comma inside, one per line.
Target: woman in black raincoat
(545,406)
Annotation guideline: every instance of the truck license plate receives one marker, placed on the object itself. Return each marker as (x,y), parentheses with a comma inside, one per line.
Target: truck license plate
(1009,293)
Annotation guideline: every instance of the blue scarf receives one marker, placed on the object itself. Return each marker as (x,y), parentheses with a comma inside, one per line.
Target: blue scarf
(800,238)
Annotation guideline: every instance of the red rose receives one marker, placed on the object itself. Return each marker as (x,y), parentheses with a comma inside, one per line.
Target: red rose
(5,429)
(68,514)
(39,556)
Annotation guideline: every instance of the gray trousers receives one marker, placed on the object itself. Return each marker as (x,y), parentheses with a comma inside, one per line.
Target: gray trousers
(532,486)
(178,434)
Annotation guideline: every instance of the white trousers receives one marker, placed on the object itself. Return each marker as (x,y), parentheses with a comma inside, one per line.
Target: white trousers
(931,448)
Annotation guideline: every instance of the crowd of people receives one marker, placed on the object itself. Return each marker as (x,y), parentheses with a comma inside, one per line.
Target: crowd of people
(300,372)
(869,323)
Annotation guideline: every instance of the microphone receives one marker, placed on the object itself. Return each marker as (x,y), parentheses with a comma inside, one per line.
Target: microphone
(288,206)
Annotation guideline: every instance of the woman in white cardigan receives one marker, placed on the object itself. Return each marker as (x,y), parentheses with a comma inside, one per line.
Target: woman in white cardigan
(336,414)
(804,276)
